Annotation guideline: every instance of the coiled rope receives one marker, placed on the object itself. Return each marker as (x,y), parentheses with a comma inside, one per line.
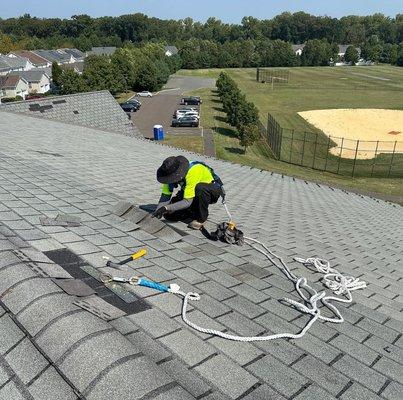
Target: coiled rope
(339,284)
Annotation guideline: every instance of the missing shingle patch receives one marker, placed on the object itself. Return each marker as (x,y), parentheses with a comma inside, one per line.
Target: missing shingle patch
(75,112)
(112,293)
(58,101)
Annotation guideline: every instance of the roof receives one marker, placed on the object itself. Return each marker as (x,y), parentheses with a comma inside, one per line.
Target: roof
(343,48)
(102,51)
(93,109)
(10,81)
(10,63)
(50,345)
(172,49)
(297,47)
(77,54)
(53,55)
(35,59)
(33,75)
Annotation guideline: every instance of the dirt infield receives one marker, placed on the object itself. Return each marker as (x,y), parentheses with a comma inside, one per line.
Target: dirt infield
(366,125)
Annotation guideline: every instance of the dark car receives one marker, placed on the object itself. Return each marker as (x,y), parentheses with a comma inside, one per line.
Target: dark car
(130,107)
(191,101)
(186,121)
(134,101)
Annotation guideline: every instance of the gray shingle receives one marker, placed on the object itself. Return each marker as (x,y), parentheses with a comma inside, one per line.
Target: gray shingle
(188,347)
(278,375)
(232,379)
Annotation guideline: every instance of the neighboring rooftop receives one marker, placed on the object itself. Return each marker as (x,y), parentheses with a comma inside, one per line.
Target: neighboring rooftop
(101,51)
(35,59)
(54,55)
(7,63)
(9,81)
(33,75)
(93,109)
(53,349)
(171,50)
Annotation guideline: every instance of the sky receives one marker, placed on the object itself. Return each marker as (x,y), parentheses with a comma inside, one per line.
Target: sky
(226,10)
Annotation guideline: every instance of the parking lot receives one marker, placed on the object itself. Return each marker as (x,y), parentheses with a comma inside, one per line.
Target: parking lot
(158,110)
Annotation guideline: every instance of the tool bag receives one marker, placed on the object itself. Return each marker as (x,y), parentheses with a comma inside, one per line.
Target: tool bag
(229,235)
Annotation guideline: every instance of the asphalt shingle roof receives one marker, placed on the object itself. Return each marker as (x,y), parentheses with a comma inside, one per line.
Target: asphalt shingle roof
(50,346)
(36,60)
(33,75)
(93,109)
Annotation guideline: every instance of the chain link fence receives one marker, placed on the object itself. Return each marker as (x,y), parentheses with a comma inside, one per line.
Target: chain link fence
(360,158)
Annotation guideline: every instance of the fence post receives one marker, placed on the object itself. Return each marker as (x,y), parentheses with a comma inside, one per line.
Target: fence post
(292,142)
(327,153)
(341,152)
(391,160)
(355,158)
(314,150)
(303,150)
(373,164)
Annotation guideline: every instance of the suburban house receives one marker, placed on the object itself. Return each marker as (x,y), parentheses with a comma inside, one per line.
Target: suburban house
(77,54)
(342,51)
(38,80)
(59,56)
(170,50)
(36,60)
(101,51)
(11,64)
(297,48)
(13,86)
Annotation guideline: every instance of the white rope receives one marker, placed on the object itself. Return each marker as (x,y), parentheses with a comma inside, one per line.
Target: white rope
(339,284)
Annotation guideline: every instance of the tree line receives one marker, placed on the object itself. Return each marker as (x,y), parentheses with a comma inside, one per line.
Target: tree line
(82,31)
(241,114)
(129,68)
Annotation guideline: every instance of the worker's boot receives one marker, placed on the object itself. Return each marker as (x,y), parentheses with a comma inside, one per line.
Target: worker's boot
(196,225)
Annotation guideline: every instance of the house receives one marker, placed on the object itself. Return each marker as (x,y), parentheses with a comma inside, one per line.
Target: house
(38,80)
(77,54)
(101,51)
(13,86)
(342,51)
(11,64)
(58,56)
(170,50)
(36,60)
(297,48)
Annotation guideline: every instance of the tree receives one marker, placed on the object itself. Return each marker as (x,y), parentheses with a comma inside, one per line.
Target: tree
(56,73)
(147,76)
(248,135)
(351,55)
(399,59)
(100,74)
(71,82)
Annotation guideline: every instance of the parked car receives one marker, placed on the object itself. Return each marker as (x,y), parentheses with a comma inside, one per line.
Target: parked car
(186,121)
(144,93)
(134,101)
(183,111)
(191,100)
(130,107)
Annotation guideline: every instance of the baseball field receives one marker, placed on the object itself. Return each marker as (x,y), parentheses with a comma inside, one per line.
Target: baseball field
(354,100)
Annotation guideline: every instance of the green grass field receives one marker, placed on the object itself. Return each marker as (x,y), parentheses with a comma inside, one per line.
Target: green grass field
(309,88)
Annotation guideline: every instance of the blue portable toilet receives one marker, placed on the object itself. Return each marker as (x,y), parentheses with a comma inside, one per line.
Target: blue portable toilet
(158,132)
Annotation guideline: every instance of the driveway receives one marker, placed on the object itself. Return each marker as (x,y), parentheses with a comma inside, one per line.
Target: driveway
(158,110)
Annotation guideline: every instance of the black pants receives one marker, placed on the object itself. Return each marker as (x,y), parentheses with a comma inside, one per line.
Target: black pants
(205,194)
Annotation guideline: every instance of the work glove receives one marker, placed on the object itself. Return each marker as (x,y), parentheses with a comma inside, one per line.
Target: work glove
(159,212)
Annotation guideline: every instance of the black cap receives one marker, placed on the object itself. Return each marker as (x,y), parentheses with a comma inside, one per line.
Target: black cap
(173,169)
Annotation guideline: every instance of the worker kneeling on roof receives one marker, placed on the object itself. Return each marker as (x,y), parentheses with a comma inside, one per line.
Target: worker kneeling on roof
(198,187)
